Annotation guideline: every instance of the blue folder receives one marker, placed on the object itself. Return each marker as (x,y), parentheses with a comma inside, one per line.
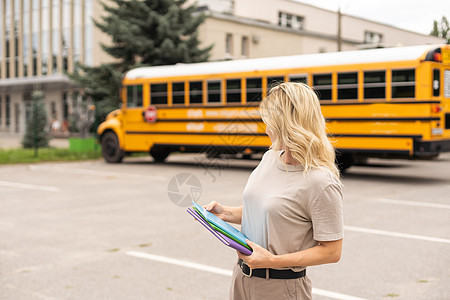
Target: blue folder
(223,238)
(223,226)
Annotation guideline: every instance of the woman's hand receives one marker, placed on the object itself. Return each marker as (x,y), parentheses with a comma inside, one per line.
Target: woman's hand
(226,213)
(260,258)
(217,209)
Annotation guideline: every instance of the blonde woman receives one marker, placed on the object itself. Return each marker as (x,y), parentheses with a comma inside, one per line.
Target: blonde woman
(292,204)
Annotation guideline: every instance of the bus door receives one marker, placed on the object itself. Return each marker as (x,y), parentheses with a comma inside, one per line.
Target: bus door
(133,117)
(446,88)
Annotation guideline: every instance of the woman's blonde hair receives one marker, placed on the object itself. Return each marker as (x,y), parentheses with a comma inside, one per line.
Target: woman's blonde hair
(292,111)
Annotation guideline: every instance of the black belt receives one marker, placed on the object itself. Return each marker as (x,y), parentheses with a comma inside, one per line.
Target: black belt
(275,274)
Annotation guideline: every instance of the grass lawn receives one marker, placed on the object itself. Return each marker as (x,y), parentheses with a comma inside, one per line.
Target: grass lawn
(18,155)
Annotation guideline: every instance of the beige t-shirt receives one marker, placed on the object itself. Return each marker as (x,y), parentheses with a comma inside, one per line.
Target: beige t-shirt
(286,211)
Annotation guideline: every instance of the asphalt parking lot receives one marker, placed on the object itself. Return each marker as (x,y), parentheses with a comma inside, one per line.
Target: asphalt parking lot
(91,230)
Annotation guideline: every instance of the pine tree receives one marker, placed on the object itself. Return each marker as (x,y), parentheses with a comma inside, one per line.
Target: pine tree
(143,33)
(441,29)
(36,135)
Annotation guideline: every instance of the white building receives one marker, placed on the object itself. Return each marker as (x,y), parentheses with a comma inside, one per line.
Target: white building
(262,28)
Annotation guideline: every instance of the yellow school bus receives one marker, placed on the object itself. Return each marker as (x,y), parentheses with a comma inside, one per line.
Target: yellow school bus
(391,103)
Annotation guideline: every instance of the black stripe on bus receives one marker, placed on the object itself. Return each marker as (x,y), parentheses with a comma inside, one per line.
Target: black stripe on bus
(256,104)
(337,135)
(195,133)
(263,134)
(383,119)
(210,120)
(374,151)
(203,147)
(426,119)
(380,102)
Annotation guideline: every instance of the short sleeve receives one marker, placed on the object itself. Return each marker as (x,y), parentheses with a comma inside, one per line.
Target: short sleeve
(327,214)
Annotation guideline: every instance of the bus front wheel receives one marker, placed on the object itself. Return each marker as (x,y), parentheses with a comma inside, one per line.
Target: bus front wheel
(110,148)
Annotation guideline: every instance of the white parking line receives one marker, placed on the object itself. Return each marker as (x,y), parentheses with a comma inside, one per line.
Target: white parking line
(414,203)
(225,272)
(93,172)
(28,186)
(397,234)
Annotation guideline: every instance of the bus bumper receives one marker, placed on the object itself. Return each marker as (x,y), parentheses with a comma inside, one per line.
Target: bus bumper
(430,149)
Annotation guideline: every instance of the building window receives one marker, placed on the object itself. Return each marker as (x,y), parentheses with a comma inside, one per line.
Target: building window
(244,46)
(178,93)
(65,106)
(134,96)
(8,110)
(290,21)
(372,37)
(403,83)
(1,110)
(229,44)
(375,84)
(158,93)
(53,109)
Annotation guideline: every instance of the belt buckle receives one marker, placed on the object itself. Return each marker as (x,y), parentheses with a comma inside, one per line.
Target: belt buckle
(242,269)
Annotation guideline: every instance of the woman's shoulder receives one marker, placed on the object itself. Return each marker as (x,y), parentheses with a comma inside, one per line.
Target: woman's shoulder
(269,154)
(322,177)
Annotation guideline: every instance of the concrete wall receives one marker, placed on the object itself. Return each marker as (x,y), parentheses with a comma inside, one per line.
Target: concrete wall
(99,37)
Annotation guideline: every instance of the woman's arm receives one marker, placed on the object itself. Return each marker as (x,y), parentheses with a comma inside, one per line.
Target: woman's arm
(227,213)
(324,253)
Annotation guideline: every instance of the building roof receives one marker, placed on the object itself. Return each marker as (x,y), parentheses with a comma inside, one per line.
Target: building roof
(410,53)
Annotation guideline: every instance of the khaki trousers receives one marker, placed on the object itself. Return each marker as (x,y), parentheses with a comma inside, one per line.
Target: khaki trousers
(255,288)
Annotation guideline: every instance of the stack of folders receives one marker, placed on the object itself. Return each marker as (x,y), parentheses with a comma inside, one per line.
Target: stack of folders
(223,231)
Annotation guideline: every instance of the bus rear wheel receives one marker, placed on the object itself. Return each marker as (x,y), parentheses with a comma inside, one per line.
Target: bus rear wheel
(111,149)
(159,154)
(344,161)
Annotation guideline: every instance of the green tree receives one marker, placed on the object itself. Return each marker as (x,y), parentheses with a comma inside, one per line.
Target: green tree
(36,135)
(143,33)
(441,29)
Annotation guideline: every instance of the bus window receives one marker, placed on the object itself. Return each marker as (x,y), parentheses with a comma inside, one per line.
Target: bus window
(403,83)
(347,86)
(233,90)
(374,84)
(322,85)
(254,89)
(195,92)
(299,78)
(436,82)
(214,91)
(178,93)
(134,96)
(158,93)
(273,81)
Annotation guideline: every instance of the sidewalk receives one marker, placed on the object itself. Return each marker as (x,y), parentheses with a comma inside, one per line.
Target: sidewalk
(10,140)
